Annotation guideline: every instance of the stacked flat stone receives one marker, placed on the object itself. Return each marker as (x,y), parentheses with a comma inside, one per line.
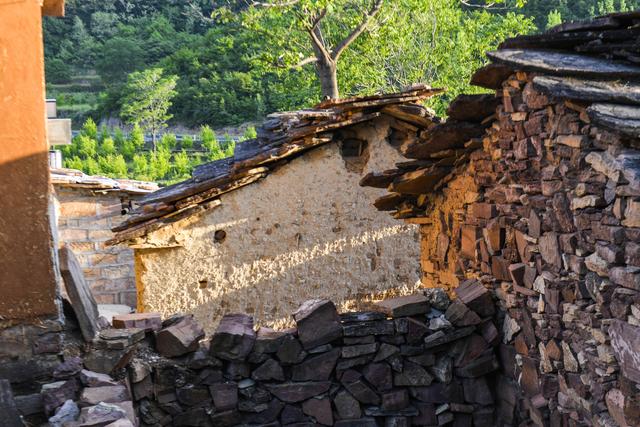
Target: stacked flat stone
(417,360)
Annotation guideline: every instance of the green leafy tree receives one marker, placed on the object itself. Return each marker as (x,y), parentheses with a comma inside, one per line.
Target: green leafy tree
(90,129)
(90,166)
(554,18)
(107,146)
(181,164)
(87,147)
(159,163)
(136,137)
(147,100)
(169,141)
(140,167)
(187,142)
(250,133)
(210,143)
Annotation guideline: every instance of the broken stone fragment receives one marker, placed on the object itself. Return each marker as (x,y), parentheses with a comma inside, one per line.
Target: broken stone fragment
(629,277)
(412,375)
(410,305)
(118,339)
(101,414)
(225,395)
(569,360)
(510,327)
(68,412)
(319,409)
(70,367)
(107,394)
(475,296)
(318,323)
(359,389)
(316,368)
(95,379)
(268,340)
(460,315)
(234,338)
(180,338)
(347,407)
(377,327)
(297,392)
(625,340)
(147,321)
(379,375)
(437,298)
(269,370)
(55,394)
(290,351)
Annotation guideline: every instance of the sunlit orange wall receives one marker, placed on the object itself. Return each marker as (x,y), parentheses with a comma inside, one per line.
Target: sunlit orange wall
(27,279)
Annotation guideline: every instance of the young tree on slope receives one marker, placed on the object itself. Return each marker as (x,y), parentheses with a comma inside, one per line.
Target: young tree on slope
(147,100)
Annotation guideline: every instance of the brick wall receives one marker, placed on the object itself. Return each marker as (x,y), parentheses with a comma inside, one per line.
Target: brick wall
(84,223)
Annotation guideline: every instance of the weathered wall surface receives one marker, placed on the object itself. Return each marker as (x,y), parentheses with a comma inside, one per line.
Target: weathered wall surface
(307,231)
(85,219)
(552,225)
(27,271)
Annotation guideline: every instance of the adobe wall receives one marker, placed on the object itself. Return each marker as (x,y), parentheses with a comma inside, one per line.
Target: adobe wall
(547,216)
(27,262)
(306,231)
(85,219)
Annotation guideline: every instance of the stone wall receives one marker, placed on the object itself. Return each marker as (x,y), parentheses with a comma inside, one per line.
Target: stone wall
(306,231)
(85,219)
(417,360)
(547,216)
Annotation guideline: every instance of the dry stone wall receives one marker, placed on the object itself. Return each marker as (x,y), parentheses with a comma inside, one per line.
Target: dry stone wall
(416,360)
(551,225)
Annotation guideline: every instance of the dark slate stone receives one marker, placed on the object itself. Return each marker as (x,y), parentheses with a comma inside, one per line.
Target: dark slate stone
(344,364)
(396,422)
(385,351)
(410,305)
(8,409)
(290,351)
(491,76)
(412,375)
(70,367)
(474,108)
(362,422)
(439,393)
(358,350)
(563,63)
(196,417)
(55,394)
(376,327)
(373,411)
(395,400)
(226,419)
(318,323)
(191,395)
(269,415)
(234,338)
(236,370)
(367,339)
(426,414)
(297,392)
(291,414)
(268,340)
(379,375)
(319,409)
(354,383)
(316,368)
(225,396)
(479,367)
(347,406)
(441,337)
(365,316)
(269,370)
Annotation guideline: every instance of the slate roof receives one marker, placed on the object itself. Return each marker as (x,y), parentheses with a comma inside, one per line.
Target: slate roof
(72,178)
(594,62)
(282,137)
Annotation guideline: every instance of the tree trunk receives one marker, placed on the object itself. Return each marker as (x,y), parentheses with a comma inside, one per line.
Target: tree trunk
(328,74)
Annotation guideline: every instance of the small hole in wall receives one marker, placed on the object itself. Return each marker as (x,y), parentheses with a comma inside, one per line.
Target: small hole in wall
(219,236)
(202,284)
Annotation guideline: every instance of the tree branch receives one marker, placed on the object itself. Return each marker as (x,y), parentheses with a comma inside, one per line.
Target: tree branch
(309,60)
(275,4)
(366,19)
(316,36)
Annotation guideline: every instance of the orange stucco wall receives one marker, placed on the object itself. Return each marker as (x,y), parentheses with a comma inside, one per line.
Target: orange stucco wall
(27,275)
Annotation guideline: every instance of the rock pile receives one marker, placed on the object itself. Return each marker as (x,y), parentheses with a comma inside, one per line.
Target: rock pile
(417,360)
(546,213)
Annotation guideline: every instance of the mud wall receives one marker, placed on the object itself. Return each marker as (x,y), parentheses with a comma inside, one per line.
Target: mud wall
(552,225)
(306,231)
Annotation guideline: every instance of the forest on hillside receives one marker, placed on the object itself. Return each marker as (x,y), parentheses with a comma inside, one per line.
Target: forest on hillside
(220,63)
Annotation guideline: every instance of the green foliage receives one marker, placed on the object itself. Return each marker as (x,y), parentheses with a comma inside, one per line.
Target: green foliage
(147,99)
(250,133)
(117,155)
(58,71)
(187,142)
(554,18)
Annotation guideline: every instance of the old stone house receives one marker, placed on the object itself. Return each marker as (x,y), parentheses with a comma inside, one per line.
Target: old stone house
(263,246)
(87,208)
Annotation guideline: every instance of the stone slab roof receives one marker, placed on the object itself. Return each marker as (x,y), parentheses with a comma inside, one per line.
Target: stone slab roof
(72,178)
(282,137)
(595,63)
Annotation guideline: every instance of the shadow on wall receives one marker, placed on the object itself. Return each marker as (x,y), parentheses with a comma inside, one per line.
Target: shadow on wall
(272,286)
(27,273)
